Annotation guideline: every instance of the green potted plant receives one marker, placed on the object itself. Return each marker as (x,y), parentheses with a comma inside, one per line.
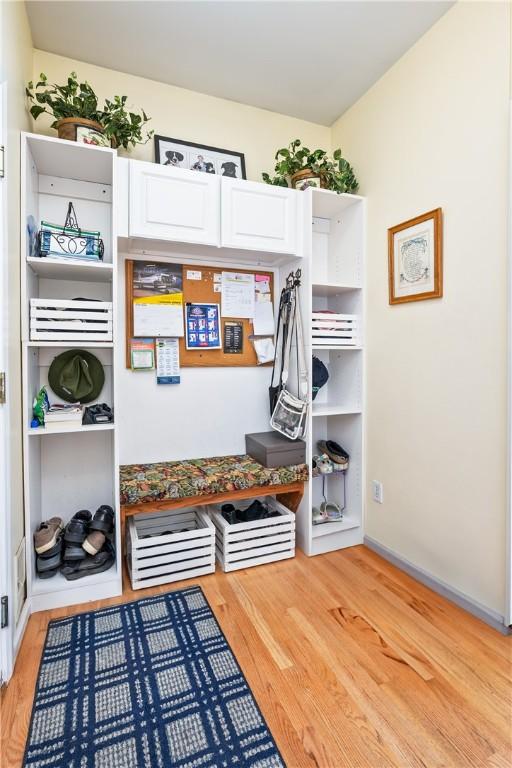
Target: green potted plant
(78,116)
(300,168)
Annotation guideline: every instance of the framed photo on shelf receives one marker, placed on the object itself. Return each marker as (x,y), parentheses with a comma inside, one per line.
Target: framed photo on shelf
(199,157)
(415,256)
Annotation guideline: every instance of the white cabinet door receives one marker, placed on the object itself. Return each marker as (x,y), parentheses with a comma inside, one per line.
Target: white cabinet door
(174,204)
(258,216)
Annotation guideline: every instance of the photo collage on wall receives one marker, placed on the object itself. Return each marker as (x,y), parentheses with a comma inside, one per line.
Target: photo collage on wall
(196,157)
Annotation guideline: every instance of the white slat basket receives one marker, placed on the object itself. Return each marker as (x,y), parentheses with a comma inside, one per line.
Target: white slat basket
(68,320)
(158,552)
(332,329)
(242,545)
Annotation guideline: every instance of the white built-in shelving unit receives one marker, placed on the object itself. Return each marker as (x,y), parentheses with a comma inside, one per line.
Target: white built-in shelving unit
(183,216)
(333,280)
(67,469)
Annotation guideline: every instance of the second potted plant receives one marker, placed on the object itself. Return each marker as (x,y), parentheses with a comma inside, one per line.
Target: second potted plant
(79,117)
(300,168)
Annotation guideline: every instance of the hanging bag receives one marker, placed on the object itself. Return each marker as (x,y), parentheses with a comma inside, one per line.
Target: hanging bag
(289,416)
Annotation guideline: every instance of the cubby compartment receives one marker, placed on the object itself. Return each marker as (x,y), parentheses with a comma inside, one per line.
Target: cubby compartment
(343,488)
(343,391)
(37,365)
(69,472)
(337,240)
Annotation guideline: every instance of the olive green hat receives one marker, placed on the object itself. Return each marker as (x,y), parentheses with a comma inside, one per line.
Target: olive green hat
(77,376)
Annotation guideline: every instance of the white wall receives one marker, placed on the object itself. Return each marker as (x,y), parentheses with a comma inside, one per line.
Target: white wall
(433,132)
(16,62)
(183,114)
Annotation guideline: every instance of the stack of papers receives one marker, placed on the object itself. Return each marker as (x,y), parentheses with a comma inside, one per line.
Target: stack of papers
(63,415)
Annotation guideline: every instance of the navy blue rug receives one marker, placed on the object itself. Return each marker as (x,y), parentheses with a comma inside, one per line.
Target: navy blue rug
(148,684)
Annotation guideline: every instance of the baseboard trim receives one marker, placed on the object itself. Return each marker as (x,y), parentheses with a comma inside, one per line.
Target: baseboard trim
(490,617)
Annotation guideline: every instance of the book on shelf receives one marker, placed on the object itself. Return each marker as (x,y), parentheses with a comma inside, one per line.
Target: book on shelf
(60,415)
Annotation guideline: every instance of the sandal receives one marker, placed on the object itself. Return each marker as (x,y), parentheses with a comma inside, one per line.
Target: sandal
(331,511)
(318,516)
(323,464)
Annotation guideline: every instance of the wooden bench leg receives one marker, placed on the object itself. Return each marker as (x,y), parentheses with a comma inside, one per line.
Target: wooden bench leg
(292,499)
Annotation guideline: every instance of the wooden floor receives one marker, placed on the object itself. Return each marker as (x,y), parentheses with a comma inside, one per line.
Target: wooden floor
(352,663)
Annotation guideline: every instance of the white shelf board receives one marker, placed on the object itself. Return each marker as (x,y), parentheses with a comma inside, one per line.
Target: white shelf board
(72,344)
(71,160)
(333,409)
(38,431)
(333,289)
(337,526)
(59,584)
(327,204)
(67,269)
(204,254)
(337,347)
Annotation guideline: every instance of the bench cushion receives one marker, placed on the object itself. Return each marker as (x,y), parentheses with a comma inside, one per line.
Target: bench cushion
(201,477)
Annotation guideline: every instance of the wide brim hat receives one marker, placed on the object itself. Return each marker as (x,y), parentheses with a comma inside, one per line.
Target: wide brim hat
(76,376)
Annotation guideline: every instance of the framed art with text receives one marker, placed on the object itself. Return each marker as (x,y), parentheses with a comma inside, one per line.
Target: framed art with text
(415,255)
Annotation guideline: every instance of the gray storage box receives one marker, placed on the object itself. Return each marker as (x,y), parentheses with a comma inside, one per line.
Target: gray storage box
(274,450)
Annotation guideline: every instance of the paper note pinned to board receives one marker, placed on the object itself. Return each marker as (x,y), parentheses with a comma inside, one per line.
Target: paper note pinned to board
(238,295)
(157,320)
(193,274)
(263,321)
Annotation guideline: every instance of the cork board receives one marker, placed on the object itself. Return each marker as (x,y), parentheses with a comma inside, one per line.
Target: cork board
(201,290)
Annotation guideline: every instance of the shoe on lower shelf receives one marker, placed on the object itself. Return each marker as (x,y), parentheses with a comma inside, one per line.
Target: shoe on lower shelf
(48,564)
(91,564)
(45,538)
(78,527)
(93,543)
(103,519)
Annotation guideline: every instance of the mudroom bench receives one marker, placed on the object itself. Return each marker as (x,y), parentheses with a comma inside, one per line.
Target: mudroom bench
(170,485)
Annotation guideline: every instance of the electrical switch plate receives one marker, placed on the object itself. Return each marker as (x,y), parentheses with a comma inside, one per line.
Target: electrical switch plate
(377,491)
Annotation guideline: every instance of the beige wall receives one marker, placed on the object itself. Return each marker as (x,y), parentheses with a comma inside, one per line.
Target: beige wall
(184,114)
(16,70)
(433,132)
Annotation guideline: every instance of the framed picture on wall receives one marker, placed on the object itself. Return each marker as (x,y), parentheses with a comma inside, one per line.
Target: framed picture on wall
(199,157)
(415,255)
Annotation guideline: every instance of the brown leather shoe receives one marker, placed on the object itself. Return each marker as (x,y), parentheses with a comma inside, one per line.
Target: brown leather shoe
(94,542)
(46,535)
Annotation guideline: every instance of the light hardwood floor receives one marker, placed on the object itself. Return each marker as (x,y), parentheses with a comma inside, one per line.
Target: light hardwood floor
(353,663)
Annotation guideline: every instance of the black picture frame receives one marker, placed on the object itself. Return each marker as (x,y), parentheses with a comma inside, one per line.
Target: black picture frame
(194,149)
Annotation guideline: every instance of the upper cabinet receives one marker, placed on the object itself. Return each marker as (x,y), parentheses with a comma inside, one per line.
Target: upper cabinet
(258,216)
(173,204)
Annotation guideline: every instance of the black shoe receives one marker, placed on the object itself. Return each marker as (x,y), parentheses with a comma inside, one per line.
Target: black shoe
(229,513)
(91,564)
(103,519)
(78,527)
(256,511)
(74,552)
(48,564)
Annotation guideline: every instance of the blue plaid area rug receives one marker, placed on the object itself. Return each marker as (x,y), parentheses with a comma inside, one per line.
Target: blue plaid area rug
(147,684)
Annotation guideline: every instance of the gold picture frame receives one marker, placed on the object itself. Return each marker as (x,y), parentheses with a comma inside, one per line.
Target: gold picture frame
(415,258)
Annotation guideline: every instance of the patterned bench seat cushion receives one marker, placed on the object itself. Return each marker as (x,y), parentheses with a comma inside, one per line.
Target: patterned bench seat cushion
(201,477)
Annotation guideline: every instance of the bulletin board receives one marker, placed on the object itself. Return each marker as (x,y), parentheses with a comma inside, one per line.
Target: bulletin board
(202,291)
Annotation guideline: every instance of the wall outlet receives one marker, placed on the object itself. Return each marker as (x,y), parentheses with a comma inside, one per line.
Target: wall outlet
(377,491)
